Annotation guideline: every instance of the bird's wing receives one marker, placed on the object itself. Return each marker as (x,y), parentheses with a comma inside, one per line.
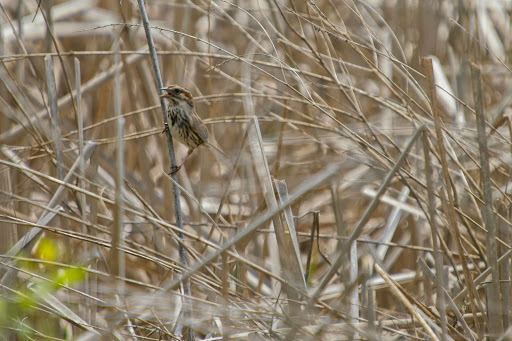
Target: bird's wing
(200,127)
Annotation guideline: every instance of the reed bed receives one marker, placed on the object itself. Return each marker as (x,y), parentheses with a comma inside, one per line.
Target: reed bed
(367,193)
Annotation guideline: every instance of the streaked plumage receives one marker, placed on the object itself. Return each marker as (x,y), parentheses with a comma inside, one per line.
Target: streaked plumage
(185,124)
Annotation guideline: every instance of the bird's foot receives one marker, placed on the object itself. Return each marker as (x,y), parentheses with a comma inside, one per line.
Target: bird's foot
(174,170)
(166,128)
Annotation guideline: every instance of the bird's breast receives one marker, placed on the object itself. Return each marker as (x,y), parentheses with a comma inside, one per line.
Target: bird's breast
(182,129)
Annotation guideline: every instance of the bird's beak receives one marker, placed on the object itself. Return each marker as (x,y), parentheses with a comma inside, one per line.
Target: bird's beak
(164,93)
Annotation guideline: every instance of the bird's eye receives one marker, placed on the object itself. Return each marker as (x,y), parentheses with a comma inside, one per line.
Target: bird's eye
(177,91)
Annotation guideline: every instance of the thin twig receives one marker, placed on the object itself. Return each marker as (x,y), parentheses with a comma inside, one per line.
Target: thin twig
(170,147)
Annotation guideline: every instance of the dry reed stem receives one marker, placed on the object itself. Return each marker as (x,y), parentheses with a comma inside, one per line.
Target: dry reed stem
(493,291)
(330,83)
(446,194)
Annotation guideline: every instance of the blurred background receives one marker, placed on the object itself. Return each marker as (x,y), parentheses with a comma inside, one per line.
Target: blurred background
(313,101)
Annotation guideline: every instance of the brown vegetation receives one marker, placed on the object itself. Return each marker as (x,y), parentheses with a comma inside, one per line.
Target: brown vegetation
(368,195)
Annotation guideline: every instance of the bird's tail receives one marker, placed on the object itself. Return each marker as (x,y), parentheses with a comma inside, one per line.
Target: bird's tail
(221,157)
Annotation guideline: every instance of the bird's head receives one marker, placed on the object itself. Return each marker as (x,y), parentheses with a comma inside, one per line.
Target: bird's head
(177,94)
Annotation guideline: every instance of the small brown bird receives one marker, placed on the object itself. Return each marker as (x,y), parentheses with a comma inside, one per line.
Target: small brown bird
(186,126)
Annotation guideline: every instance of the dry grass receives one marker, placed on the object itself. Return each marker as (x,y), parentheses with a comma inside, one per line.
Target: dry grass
(370,197)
